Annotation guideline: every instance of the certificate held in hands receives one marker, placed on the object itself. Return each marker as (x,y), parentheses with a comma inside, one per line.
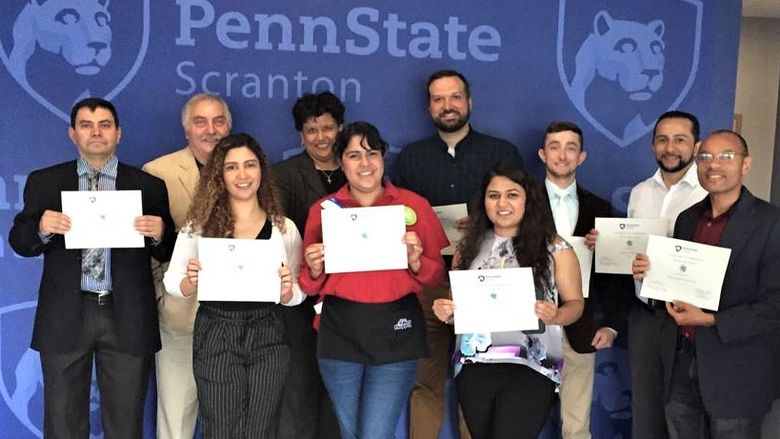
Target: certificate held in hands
(494,300)
(685,270)
(364,239)
(449,216)
(585,258)
(620,239)
(239,270)
(102,219)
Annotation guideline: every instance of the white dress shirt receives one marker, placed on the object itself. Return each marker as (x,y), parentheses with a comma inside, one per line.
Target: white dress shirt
(567,196)
(652,199)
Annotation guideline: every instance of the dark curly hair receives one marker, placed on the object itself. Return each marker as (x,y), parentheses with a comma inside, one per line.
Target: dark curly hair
(210,211)
(315,105)
(535,232)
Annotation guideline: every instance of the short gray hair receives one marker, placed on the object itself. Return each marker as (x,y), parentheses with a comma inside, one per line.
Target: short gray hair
(201,97)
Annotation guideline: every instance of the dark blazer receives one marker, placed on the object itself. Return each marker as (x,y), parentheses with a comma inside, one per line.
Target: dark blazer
(737,358)
(58,316)
(300,186)
(607,292)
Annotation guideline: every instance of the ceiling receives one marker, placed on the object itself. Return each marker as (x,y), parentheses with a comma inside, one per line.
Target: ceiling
(761,8)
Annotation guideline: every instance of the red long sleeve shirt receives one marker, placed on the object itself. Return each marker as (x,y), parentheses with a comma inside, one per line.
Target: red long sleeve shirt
(385,285)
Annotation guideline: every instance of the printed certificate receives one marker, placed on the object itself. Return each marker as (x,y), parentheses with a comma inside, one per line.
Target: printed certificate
(448,217)
(684,270)
(585,258)
(102,219)
(494,300)
(239,270)
(364,239)
(620,239)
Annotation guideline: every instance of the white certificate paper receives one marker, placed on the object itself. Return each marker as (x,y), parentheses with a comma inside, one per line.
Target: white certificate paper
(494,300)
(620,239)
(239,270)
(364,239)
(102,219)
(585,258)
(448,216)
(684,270)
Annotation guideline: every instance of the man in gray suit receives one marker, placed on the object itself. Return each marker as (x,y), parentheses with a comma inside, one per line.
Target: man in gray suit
(206,119)
(725,365)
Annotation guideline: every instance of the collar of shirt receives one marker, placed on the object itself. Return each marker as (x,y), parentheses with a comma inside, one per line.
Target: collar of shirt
(461,146)
(108,170)
(553,191)
(691,178)
(387,198)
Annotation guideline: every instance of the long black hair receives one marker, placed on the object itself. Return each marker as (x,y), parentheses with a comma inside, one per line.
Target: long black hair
(535,232)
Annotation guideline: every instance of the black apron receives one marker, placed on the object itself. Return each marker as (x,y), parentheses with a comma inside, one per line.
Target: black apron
(372,333)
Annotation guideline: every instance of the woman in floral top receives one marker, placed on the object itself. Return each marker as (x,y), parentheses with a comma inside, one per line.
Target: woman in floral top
(506,380)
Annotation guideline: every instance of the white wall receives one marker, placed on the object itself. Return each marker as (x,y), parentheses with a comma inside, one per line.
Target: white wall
(758,79)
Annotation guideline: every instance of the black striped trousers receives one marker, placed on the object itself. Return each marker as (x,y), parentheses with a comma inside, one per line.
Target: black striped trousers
(240,361)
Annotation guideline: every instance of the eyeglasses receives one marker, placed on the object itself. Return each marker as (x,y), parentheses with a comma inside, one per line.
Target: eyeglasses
(725,156)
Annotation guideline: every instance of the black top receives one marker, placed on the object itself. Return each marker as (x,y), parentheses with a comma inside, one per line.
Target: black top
(427,168)
(265,233)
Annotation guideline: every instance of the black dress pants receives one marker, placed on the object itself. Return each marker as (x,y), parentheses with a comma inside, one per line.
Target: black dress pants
(121,377)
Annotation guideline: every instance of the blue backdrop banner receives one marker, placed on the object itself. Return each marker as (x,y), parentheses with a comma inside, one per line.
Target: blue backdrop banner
(610,66)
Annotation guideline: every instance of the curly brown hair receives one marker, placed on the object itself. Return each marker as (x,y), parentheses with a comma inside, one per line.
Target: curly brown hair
(210,211)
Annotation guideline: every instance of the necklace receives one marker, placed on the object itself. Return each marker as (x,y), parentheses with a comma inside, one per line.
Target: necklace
(328,175)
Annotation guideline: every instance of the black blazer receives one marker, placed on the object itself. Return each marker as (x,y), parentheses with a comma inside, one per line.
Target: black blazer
(607,292)
(737,358)
(300,186)
(58,316)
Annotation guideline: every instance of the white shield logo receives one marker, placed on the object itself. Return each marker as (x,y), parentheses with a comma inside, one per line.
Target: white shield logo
(61,51)
(613,63)
(21,380)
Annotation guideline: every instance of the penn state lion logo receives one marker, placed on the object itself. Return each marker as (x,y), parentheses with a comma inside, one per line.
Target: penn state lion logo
(73,41)
(79,31)
(625,52)
(617,62)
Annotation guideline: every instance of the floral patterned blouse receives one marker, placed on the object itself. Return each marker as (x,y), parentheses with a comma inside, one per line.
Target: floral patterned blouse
(542,352)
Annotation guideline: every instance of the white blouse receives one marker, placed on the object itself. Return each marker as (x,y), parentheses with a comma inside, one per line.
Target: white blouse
(187,248)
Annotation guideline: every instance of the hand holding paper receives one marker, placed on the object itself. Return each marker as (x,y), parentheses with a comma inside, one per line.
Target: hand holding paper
(53,222)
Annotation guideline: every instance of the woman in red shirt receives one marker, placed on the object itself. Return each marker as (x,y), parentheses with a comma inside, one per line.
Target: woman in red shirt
(371,331)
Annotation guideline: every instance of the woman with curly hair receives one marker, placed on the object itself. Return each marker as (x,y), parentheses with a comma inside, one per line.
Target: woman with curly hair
(240,356)
(503,395)
(371,330)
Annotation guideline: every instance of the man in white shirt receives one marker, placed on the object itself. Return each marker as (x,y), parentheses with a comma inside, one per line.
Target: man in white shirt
(673,188)
(575,210)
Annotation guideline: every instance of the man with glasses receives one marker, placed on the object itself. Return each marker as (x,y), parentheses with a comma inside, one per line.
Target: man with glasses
(206,119)
(673,188)
(725,363)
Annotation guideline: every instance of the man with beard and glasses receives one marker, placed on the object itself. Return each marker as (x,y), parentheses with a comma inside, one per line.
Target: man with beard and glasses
(206,119)
(446,168)
(673,188)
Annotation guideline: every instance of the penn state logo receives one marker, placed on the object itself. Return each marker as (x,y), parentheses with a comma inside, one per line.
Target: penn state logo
(92,46)
(21,381)
(613,67)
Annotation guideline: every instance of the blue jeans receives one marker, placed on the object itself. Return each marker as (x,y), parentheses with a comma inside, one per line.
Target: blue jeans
(368,399)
